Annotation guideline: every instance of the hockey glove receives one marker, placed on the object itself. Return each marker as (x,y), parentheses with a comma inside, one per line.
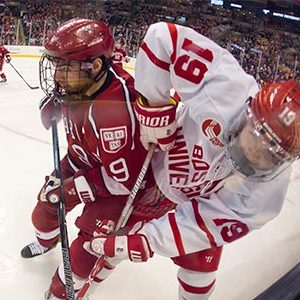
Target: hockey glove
(158,124)
(133,246)
(76,187)
(104,228)
(49,108)
(7,59)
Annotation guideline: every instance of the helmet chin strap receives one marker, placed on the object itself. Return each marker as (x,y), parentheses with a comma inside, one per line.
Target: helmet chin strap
(89,91)
(105,66)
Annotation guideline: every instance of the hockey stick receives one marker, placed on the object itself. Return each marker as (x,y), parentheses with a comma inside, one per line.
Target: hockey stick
(62,216)
(32,87)
(125,214)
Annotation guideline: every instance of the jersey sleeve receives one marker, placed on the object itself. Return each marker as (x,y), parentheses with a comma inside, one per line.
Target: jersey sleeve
(224,217)
(153,61)
(180,58)
(177,57)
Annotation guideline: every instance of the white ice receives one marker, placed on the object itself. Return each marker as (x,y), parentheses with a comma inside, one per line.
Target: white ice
(247,268)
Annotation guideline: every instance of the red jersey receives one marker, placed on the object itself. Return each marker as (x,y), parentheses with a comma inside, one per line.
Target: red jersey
(119,56)
(3,52)
(104,132)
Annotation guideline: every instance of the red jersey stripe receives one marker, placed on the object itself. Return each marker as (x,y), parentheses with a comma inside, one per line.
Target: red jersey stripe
(202,225)
(176,234)
(174,35)
(155,60)
(196,290)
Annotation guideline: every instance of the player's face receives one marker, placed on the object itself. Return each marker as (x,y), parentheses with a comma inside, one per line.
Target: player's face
(70,80)
(256,149)
(72,76)
(252,152)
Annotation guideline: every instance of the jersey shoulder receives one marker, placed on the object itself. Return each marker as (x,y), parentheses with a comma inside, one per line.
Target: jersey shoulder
(112,115)
(3,50)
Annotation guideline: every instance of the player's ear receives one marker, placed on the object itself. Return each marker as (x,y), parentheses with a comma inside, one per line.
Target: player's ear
(97,65)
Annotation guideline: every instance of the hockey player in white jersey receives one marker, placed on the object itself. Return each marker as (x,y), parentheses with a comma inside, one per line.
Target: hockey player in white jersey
(230,146)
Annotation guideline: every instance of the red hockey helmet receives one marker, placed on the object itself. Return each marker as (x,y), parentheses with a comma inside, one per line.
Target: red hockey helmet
(265,138)
(82,40)
(66,67)
(277,108)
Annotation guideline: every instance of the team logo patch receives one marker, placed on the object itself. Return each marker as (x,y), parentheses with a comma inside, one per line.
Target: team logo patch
(212,129)
(113,138)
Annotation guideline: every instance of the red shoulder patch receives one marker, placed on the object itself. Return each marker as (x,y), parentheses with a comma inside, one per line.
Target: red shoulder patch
(212,129)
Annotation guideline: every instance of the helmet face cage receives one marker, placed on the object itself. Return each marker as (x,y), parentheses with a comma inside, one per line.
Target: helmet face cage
(66,67)
(269,148)
(46,72)
(71,88)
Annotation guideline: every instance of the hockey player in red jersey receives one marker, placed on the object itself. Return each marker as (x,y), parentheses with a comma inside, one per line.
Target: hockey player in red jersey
(231,146)
(4,56)
(94,99)
(119,53)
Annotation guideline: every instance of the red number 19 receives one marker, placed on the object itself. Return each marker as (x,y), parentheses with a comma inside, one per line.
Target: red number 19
(192,69)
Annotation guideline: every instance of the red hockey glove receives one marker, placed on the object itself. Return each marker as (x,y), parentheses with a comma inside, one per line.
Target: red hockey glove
(76,186)
(49,108)
(158,124)
(133,246)
(7,59)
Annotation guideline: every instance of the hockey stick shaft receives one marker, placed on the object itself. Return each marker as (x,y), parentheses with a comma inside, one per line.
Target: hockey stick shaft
(125,214)
(62,216)
(31,87)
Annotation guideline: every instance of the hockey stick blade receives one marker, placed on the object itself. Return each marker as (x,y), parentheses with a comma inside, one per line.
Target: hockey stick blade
(125,214)
(31,87)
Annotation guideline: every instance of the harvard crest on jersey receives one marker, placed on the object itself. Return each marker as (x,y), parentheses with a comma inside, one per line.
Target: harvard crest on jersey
(113,138)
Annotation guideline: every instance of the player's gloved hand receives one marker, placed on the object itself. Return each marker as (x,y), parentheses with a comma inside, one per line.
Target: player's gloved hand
(158,123)
(133,246)
(49,108)
(104,228)
(7,59)
(76,186)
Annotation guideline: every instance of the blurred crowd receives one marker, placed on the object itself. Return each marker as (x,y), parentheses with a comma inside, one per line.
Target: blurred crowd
(266,48)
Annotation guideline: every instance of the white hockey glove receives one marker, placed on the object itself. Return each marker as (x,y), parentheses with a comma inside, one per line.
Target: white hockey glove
(133,246)
(157,124)
(74,188)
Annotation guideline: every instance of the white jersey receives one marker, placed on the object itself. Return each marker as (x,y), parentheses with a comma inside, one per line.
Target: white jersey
(215,206)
